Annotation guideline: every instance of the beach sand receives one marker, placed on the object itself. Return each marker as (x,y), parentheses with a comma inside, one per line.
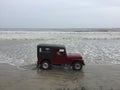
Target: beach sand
(92,77)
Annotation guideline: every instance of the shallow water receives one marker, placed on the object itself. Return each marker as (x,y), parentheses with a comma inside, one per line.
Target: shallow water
(23,52)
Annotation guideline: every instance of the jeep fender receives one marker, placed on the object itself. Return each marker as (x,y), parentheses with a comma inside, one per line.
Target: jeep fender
(81,61)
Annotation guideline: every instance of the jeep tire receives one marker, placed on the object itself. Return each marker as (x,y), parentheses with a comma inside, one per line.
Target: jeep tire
(45,65)
(77,66)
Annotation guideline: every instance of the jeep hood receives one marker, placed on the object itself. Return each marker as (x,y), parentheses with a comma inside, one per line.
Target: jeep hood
(74,56)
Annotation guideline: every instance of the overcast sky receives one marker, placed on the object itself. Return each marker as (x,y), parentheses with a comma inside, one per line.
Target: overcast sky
(59,13)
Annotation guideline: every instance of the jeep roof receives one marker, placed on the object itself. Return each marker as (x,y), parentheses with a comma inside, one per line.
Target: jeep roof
(51,46)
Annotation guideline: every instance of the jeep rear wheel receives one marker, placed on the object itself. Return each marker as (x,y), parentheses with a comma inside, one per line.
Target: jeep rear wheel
(77,66)
(45,65)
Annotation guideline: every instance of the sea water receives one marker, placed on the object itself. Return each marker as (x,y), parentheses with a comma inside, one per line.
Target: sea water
(18,47)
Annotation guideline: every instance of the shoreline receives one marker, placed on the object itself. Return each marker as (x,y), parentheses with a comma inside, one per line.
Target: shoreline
(92,77)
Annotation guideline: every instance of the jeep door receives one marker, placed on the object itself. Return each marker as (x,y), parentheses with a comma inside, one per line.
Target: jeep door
(59,56)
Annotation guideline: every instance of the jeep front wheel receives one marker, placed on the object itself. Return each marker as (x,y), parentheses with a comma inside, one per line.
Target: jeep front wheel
(45,65)
(77,66)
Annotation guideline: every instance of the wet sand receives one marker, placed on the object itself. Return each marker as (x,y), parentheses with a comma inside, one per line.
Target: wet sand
(92,77)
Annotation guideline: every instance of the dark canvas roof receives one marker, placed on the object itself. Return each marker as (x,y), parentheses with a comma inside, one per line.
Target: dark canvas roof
(51,45)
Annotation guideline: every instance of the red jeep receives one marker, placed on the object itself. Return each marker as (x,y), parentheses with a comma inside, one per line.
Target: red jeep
(52,54)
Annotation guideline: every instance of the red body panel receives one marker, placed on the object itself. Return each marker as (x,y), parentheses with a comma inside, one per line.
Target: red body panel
(65,59)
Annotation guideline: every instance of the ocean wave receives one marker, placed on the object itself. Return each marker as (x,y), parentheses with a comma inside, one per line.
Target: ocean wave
(54,32)
(35,35)
(59,38)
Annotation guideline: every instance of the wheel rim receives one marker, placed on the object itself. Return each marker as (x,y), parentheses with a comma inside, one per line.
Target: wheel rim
(77,66)
(45,65)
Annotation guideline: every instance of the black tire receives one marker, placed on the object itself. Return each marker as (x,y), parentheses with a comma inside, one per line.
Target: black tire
(77,66)
(45,65)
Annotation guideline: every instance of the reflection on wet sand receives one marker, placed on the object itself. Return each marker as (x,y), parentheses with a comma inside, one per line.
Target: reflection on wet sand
(57,72)
(60,74)
(59,77)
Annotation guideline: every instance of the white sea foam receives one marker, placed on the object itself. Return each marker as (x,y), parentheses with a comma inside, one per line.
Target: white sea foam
(36,35)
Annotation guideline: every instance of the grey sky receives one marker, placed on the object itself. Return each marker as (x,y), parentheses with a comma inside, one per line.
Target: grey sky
(59,13)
